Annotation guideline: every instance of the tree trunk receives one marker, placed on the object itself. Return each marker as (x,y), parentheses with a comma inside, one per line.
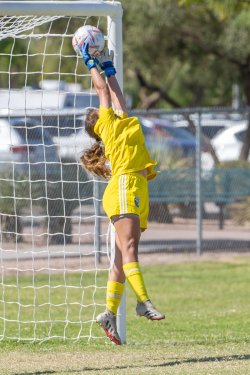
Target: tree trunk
(246,144)
(157,93)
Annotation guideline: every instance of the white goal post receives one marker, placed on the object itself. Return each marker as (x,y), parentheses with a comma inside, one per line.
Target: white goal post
(110,9)
(51,291)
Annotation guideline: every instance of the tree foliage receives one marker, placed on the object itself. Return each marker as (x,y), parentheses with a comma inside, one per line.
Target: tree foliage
(197,54)
(176,53)
(188,52)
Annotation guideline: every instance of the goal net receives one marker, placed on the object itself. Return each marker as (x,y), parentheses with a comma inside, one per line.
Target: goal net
(55,239)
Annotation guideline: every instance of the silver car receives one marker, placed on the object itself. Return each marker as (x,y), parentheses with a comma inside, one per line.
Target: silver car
(26,148)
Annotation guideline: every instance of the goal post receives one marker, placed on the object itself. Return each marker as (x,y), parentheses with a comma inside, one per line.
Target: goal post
(111,9)
(61,8)
(30,285)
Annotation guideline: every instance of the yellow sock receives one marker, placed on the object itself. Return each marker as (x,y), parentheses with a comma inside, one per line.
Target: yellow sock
(135,279)
(114,295)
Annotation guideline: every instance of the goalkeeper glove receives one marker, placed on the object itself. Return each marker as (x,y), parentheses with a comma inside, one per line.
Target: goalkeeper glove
(105,61)
(89,60)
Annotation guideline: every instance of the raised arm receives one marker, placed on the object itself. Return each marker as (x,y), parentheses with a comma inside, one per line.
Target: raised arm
(100,85)
(116,94)
(101,88)
(109,92)
(105,61)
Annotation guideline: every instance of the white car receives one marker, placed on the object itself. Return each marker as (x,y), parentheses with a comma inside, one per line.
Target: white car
(71,147)
(26,148)
(7,140)
(227,145)
(37,101)
(228,142)
(210,126)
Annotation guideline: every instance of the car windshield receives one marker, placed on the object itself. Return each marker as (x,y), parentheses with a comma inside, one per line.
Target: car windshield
(211,131)
(81,101)
(35,134)
(240,136)
(174,132)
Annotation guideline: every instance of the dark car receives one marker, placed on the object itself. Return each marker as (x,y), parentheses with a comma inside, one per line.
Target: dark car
(163,135)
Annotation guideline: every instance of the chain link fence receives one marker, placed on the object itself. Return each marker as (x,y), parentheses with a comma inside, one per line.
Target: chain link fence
(199,202)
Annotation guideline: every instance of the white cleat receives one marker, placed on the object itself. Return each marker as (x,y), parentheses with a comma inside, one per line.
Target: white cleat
(107,320)
(148,310)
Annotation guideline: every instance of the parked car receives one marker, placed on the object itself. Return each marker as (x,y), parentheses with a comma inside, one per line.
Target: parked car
(227,145)
(159,135)
(41,100)
(71,147)
(79,183)
(210,126)
(27,149)
(29,156)
(163,135)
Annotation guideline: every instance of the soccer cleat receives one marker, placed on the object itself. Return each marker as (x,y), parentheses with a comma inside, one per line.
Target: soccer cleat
(148,310)
(107,320)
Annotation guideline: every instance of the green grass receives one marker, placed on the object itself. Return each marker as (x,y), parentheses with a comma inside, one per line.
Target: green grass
(206,330)
(39,306)
(205,302)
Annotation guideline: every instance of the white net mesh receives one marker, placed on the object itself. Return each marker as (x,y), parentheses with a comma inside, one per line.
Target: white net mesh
(11,26)
(53,230)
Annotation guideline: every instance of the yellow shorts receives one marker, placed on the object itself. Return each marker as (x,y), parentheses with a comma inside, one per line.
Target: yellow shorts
(127,194)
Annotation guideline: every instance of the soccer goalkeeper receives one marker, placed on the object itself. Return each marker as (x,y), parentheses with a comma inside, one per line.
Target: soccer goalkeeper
(119,141)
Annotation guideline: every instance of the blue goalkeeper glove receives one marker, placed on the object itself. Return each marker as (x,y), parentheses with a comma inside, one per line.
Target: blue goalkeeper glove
(105,61)
(89,60)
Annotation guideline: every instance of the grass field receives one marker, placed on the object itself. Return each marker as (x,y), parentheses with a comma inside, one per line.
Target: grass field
(206,330)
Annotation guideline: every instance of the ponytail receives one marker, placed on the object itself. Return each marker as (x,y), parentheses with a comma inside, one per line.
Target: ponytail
(94,160)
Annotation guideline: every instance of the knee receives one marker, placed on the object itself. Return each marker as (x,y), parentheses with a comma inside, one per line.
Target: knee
(132,245)
(117,274)
(130,251)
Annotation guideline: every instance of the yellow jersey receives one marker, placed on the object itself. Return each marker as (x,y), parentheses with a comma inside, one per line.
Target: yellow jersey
(124,143)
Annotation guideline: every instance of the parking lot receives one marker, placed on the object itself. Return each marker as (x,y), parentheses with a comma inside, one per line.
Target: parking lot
(51,199)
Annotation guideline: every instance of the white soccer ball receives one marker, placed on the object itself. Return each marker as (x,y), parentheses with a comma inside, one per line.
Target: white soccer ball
(92,35)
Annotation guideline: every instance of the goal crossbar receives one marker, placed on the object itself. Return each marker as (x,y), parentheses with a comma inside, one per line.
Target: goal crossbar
(59,8)
(110,9)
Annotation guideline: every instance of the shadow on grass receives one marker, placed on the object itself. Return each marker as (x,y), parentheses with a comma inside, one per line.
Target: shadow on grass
(236,357)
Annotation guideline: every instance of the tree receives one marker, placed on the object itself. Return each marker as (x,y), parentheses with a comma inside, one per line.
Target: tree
(193,54)
(236,16)
(179,53)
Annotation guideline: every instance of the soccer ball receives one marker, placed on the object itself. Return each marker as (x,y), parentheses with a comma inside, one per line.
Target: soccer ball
(92,35)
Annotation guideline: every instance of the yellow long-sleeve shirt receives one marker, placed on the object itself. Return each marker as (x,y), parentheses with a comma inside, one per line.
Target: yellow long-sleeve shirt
(124,143)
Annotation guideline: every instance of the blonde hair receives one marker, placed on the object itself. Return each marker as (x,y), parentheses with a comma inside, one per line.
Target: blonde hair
(94,159)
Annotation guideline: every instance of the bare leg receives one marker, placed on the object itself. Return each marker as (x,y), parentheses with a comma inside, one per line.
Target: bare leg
(115,287)
(128,234)
(117,273)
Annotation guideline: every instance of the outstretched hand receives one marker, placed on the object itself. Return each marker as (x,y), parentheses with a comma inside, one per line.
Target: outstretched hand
(89,60)
(105,61)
